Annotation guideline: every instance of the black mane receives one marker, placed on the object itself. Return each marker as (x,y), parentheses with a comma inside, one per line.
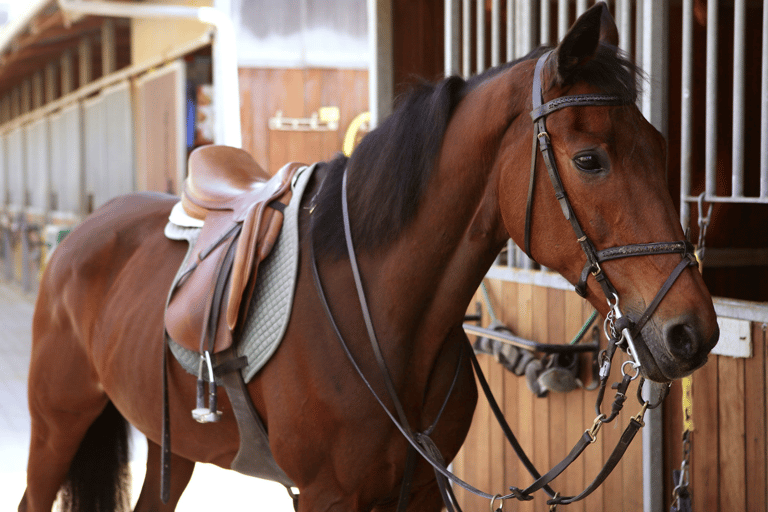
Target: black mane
(389,170)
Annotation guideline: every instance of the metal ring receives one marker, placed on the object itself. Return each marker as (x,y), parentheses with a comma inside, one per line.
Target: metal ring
(501,502)
(635,367)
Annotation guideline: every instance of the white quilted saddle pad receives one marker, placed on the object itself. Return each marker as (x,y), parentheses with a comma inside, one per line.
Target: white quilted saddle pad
(270,309)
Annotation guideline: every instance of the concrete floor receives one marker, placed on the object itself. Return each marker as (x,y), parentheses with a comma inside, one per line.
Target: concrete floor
(211,488)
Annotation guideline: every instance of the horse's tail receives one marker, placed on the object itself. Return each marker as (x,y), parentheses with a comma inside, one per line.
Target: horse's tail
(99,477)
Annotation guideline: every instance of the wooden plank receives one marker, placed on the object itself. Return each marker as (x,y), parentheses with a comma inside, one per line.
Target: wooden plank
(705,443)
(732,434)
(558,443)
(593,455)
(525,399)
(611,432)
(673,433)
(632,462)
(541,417)
(572,481)
(495,375)
(755,421)
(512,383)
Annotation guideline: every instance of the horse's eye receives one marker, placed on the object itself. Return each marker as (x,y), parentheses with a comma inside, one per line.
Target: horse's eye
(588,163)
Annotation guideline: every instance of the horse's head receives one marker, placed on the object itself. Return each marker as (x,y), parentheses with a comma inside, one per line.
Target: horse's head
(612,164)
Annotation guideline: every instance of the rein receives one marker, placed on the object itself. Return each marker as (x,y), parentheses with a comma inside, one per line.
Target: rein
(619,329)
(422,444)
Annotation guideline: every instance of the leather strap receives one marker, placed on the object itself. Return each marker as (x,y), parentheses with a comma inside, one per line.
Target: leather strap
(688,261)
(421,443)
(618,452)
(165,454)
(366,313)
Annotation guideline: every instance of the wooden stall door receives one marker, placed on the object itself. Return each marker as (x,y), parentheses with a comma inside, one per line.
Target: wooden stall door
(297,93)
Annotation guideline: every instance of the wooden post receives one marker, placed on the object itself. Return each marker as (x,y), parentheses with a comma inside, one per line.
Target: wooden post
(85,53)
(67,74)
(108,47)
(50,82)
(37,90)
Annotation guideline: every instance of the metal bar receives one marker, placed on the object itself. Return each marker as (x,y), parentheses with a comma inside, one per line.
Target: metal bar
(655,39)
(686,113)
(729,199)
(523,343)
(524,30)
(737,156)
(495,32)
(710,138)
(380,66)
(581,6)
(764,109)
(544,32)
(639,33)
(466,43)
(562,18)
(480,49)
(451,35)
(511,254)
(511,30)
(624,14)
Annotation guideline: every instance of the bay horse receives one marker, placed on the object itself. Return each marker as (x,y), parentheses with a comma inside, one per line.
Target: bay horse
(434,193)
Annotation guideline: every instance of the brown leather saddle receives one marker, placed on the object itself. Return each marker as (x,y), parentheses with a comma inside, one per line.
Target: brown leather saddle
(242,209)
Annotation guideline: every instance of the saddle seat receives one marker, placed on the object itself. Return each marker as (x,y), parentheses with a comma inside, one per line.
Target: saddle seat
(222,178)
(241,206)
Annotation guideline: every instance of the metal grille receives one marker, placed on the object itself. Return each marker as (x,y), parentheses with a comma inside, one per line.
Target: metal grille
(738,190)
(474,42)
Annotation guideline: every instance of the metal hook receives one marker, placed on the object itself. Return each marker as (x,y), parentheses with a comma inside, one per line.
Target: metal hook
(704,221)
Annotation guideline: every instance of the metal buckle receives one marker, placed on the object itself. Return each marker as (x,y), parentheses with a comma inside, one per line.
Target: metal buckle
(639,417)
(592,431)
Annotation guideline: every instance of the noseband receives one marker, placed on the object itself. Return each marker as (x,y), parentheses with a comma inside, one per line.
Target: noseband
(541,139)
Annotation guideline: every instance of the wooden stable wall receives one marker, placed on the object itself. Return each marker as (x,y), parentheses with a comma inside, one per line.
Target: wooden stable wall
(729,447)
(547,428)
(297,93)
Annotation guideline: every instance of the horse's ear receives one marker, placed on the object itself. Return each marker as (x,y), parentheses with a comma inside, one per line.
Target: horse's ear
(580,44)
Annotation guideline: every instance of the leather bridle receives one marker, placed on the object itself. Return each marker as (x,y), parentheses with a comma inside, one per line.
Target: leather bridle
(541,139)
(621,333)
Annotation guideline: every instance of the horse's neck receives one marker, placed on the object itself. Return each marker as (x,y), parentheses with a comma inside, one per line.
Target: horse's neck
(443,256)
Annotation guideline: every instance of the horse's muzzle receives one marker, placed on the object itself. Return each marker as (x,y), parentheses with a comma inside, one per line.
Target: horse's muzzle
(685,345)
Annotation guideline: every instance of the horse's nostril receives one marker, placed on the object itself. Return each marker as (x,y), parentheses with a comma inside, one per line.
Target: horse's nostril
(682,340)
